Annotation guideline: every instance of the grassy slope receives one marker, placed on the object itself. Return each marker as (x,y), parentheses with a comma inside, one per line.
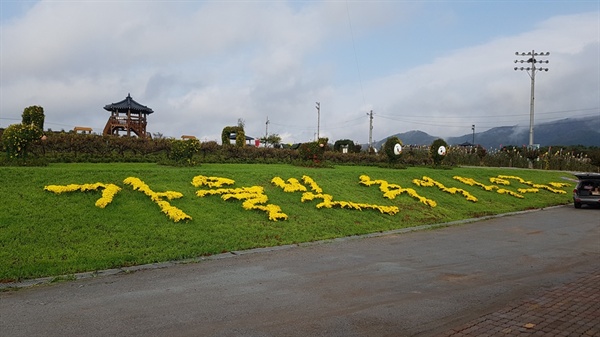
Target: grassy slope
(44,234)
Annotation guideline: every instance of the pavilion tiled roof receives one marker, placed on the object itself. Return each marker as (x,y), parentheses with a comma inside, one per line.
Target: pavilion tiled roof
(128,104)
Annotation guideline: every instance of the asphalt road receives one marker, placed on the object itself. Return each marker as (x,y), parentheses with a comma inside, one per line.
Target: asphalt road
(412,284)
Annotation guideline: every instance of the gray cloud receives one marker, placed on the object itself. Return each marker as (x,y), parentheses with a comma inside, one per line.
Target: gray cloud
(202,65)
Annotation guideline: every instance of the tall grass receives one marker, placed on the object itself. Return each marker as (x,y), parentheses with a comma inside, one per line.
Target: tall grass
(46,234)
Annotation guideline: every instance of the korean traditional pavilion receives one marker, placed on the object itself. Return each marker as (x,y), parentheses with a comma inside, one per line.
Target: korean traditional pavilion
(127,116)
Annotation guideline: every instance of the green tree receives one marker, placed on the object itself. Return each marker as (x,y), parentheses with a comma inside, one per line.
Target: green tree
(33,115)
(271,139)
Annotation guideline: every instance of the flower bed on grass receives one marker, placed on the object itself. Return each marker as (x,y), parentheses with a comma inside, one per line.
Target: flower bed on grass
(254,197)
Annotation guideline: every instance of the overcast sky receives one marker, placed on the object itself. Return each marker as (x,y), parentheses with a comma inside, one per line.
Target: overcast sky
(434,66)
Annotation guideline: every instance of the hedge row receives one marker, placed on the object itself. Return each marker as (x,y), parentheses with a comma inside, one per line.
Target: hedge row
(72,147)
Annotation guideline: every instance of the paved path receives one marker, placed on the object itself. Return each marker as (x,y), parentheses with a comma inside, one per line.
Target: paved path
(444,282)
(572,309)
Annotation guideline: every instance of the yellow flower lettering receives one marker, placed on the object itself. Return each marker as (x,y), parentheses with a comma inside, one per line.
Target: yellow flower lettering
(172,212)
(254,198)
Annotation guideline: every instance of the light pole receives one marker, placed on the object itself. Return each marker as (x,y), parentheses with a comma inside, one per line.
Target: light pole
(266,131)
(473,128)
(530,57)
(370,130)
(318,119)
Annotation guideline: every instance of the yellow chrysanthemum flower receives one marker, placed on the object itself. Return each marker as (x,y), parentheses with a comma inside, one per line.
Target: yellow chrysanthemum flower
(499,181)
(201,180)
(172,212)
(313,185)
(108,192)
(391,191)
(253,197)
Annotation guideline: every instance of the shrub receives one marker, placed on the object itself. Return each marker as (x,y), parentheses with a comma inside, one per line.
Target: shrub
(415,156)
(391,150)
(183,151)
(240,135)
(17,139)
(481,152)
(337,146)
(313,151)
(438,151)
(33,115)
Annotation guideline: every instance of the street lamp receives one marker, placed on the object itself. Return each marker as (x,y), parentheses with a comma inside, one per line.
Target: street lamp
(370,130)
(473,128)
(318,119)
(530,57)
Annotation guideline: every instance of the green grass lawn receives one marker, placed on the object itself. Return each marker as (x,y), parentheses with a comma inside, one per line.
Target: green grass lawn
(47,234)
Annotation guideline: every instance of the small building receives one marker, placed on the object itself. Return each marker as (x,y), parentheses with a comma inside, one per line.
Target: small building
(82,129)
(127,116)
(249,140)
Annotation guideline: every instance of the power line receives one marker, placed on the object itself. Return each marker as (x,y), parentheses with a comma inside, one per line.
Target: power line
(338,125)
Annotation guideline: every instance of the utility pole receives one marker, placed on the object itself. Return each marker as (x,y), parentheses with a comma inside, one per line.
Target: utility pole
(318,119)
(267,131)
(370,114)
(473,128)
(530,57)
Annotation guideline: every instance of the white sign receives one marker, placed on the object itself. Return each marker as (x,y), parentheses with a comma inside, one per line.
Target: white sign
(442,150)
(397,149)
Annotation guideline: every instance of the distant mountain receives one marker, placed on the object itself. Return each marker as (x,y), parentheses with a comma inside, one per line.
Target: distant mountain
(565,132)
(414,138)
(569,131)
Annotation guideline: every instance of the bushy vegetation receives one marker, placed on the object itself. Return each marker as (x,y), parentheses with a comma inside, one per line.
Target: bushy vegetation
(182,152)
(563,158)
(347,144)
(69,147)
(34,115)
(438,151)
(389,149)
(240,135)
(313,153)
(17,139)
